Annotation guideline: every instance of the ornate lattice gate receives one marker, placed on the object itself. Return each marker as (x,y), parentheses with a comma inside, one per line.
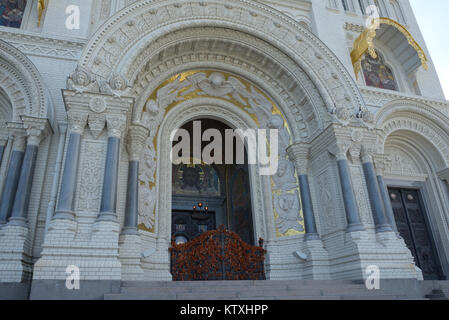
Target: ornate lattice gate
(217,255)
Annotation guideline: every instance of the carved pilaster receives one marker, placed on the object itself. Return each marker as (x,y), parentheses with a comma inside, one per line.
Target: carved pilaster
(137,136)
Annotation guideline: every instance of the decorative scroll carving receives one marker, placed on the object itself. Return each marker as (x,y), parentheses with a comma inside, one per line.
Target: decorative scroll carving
(77,121)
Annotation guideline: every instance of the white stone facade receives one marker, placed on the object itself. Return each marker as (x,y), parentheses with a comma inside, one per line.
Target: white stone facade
(96,82)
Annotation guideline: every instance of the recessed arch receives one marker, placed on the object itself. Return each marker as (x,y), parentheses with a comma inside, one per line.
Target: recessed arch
(123,36)
(23,85)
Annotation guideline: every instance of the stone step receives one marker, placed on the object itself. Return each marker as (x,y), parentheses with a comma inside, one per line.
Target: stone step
(278,289)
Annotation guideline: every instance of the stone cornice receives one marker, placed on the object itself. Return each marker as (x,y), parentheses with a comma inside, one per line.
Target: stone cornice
(31,43)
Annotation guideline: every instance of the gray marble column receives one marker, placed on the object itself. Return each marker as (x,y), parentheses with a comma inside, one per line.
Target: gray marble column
(352,212)
(65,208)
(299,154)
(381,162)
(3,143)
(377,205)
(13,174)
(37,130)
(108,208)
(137,136)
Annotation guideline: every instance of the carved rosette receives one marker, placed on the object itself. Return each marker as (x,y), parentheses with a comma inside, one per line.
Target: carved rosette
(137,136)
(116,125)
(299,155)
(77,121)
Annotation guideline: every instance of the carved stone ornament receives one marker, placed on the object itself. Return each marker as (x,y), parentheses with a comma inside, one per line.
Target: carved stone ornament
(299,154)
(18,134)
(116,125)
(82,81)
(137,136)
(97,123)
(77,121)
(382,163)
(116,85)
(287,206)
(37,129)
(97,105)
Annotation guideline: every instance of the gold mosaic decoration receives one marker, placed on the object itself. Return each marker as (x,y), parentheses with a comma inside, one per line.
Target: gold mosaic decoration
(365,43)
(196,95)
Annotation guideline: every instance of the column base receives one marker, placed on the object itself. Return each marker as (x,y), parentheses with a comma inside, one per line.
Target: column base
(107,216)
(64,215)
(95,256)
(18,222)
(363,249)
(129,256)
(15,254)
(383,228)
(316,267)
(355,227)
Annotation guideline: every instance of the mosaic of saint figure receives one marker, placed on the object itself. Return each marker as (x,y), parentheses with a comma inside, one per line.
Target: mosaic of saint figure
(195,179)
(11,12)
(377,74)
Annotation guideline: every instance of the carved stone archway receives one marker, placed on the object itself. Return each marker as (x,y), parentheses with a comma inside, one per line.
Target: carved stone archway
(23,85)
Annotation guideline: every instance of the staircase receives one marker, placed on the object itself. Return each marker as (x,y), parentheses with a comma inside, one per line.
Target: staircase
(281,290)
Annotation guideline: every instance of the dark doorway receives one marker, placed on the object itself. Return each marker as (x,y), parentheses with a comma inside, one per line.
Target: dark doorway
(224,188)
(412,224)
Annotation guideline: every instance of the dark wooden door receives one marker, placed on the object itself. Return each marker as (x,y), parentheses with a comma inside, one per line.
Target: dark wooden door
(187,225)
(413,227)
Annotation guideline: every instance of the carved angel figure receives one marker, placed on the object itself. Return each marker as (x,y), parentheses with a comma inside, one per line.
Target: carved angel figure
(116,85)
(276,122)
(216,85)
(287,207)
(147,203)
(81,81)
(284,179)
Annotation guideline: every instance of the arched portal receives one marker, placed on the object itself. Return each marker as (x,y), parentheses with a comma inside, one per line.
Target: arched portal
(417,192)
(213,192)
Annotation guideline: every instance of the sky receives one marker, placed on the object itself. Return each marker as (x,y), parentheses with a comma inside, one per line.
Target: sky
(433,20)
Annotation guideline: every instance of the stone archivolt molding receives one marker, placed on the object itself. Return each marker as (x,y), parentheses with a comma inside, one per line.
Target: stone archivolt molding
(22,83)
(424,122)
(120,38)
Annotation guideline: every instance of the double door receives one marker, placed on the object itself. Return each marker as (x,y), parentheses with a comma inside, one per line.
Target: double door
(413,227)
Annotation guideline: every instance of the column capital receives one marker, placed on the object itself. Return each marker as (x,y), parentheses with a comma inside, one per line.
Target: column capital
(299,154)
(137,136)
(381,163)
(116,125)
(340,149)
(366,154)
(444,175)
(37,129)
(77,121)
(18,133)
